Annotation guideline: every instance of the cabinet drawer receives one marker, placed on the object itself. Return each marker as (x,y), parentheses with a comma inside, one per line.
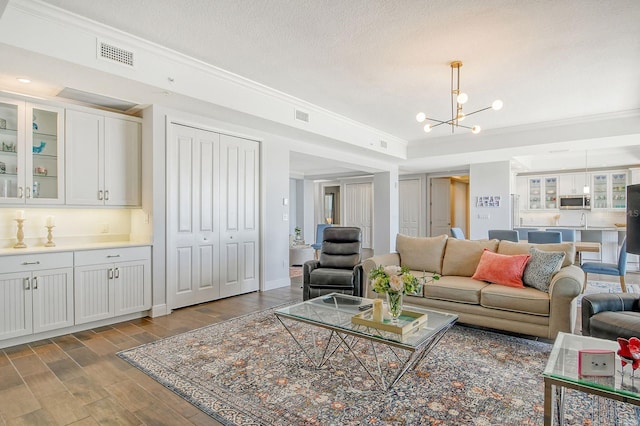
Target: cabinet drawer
(35,262)
(122,254)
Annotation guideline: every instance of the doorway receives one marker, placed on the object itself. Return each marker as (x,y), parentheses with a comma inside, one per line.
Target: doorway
(448,204)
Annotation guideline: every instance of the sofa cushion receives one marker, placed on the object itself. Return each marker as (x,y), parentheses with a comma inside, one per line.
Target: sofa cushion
(501,268)
(455,289)
(526,300)
(421,253)
(509,247)
(541,268)
(461,257)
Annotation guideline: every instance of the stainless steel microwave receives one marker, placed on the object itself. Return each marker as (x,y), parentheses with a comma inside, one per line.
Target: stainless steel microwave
(575,202)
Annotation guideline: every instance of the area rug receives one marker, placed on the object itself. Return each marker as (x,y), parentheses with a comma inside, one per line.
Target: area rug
(249,371)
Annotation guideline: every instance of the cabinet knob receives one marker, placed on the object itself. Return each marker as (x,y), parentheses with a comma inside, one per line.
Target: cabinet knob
(27,284)
(117,273)
(109,256)
(28,192)
(37,262)
(35,283)
(110,273)
(106,195)
(100,197)
(20,192)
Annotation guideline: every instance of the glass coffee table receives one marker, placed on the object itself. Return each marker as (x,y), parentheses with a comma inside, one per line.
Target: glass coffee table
(334,312)
(561,373)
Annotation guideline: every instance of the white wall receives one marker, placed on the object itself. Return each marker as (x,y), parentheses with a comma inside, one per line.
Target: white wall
(489,179)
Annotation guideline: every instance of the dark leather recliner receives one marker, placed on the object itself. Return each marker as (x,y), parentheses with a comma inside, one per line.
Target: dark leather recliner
(611,315)
(335,270)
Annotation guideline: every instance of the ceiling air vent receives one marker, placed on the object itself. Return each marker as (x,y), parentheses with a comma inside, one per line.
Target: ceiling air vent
(302,116)
(115,53)
(383,144)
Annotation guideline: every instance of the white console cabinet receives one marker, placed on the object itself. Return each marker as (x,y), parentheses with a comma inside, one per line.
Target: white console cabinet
(37,293)
(103,159)
(111,282)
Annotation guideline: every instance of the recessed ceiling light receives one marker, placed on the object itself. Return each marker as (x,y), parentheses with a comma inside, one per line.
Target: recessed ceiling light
(24,80)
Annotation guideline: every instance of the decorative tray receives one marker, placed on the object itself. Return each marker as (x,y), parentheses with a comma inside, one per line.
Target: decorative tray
(407,321)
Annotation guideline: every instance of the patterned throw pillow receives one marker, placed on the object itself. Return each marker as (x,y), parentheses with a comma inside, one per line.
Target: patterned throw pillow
(541,268)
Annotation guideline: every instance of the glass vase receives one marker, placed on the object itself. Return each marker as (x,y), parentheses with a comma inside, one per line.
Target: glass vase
(394,304)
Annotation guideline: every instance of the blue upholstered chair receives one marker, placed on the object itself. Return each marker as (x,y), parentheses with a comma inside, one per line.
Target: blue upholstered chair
(523,232)
(568,234)
(544,237)
(503,234)
(319,234)
(616,270)
(457,233)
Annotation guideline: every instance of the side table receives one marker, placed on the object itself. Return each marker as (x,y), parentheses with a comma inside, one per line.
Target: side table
(300,254)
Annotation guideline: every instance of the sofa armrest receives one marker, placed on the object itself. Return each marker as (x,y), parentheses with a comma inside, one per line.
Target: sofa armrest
(601,302)
(565,286)
(373,262)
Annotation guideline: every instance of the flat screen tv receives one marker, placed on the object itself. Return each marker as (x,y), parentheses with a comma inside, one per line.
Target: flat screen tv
(633,219)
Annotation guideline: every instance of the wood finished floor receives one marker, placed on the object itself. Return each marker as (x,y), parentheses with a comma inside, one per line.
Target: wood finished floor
(77,379)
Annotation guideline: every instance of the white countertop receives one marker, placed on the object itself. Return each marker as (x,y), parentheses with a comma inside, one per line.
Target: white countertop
(70,247)
(578,228)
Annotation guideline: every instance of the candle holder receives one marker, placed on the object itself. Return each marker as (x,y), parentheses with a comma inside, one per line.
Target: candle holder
(50,242)
(20,235)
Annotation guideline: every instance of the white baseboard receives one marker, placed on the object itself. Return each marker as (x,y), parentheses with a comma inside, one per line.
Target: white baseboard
(159,310)
(283,282)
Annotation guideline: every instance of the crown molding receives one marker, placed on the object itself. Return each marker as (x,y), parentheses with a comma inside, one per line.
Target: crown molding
(53,14)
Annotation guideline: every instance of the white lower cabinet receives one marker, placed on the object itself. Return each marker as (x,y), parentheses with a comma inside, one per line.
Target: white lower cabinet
(111,282)
(37,293)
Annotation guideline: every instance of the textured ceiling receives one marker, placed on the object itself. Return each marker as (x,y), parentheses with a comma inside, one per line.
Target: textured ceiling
(381,61)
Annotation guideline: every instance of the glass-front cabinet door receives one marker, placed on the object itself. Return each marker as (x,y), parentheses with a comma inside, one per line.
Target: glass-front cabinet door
(11,151)
(535,194)
(31,153)
(600,195)
(551,192)
(44,169)
(619,190)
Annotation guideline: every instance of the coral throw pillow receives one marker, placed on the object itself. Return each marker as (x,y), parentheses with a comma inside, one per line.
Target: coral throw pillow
(501,268)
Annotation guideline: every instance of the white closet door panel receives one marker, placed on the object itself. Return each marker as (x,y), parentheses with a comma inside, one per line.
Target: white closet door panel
(184,281)
(185,184)
(52,299)
(84,166)
(192,216)
(239,171)
(440,202)
(410,207)
(358,205)
(16,305)
(122,148)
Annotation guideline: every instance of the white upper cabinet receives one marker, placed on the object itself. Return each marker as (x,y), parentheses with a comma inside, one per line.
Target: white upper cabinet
(31,153)
(543,193)
(103,160)
(609,190)
(571,183)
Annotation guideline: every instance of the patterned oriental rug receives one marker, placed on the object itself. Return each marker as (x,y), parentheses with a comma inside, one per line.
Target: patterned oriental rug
(249,371)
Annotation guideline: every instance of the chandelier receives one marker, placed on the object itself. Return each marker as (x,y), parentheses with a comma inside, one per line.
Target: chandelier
(458,99)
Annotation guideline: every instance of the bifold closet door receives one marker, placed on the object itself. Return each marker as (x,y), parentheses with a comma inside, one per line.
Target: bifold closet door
(358,205)
(239,230)
(192,216)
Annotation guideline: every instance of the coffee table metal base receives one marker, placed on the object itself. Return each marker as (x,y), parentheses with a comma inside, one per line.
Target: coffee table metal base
(319,355)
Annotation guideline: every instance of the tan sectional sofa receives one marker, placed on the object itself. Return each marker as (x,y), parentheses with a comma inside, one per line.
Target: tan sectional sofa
(521,310)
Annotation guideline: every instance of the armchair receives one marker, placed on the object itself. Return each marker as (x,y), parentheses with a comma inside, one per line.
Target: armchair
(611,315)
(335,270)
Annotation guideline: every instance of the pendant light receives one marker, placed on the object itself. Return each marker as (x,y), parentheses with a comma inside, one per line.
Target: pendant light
(586,189)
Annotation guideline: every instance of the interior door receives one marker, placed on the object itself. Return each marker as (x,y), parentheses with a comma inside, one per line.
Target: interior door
(358,205)
(192,216)
(409,194)
(239,230)
(440,206)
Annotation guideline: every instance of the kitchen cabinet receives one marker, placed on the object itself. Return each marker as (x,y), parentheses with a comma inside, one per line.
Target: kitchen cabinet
(609,190)
(111,282)
(31,153)
(542,193)
(103,159)
(37,293)
(572,183)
